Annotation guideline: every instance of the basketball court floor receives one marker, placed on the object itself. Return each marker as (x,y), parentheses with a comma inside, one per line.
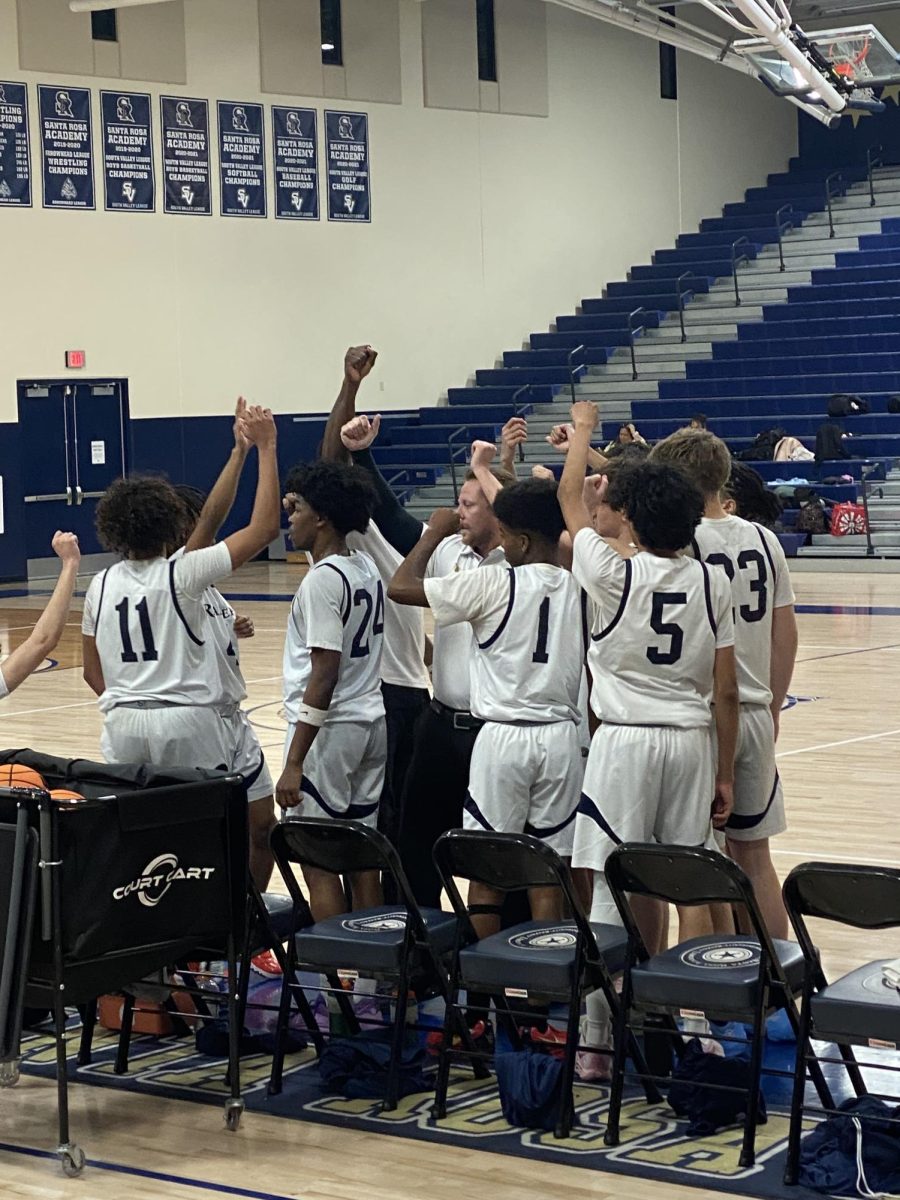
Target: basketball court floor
(838,741)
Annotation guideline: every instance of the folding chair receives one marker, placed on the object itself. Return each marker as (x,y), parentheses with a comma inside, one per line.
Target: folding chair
(742,977)
(560,961)
(857,1009)
(399,942)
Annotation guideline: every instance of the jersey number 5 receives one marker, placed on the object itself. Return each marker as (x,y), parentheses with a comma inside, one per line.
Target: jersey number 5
(360,649)
(149,653)
(659,657)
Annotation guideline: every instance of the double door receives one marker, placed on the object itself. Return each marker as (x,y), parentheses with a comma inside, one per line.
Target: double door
(73,439)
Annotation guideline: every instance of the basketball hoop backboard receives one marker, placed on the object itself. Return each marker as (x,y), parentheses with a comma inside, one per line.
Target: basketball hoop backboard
(858,55)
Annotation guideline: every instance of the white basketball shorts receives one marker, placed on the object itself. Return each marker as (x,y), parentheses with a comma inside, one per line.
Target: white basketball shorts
(758,795)
(343,773)
(247,759)
(168,736)
(526,779)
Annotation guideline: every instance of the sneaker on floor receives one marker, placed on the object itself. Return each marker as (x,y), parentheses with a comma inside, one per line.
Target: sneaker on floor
(481,1033)
(591,1067)
(266,964)
(551,1039)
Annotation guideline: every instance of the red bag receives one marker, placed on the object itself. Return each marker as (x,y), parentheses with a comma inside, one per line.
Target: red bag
(848,518)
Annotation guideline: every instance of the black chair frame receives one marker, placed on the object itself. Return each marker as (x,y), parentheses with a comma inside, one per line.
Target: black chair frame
(344,848)
(477,857)
(864,897)
(688,877)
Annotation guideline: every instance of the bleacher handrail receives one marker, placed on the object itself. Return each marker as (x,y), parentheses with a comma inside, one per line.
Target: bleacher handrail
(736,260)
(864,484)
(632,330)
(573,367)
(681,296)
(518,410)
(830,194)
(454,454)
(874,158)
(782,228)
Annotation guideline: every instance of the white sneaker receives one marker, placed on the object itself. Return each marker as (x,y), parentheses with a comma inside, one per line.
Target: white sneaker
(591,1067)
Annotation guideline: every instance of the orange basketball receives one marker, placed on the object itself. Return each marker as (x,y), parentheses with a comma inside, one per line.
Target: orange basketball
(64,796)
(13,775)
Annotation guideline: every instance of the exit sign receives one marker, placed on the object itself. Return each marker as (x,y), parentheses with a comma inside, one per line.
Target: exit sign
(75,359)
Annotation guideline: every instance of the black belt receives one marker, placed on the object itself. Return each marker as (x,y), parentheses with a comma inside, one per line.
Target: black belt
(461,718)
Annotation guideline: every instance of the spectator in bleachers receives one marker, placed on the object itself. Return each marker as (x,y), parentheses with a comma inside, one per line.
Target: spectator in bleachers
(627,436)
(747,496)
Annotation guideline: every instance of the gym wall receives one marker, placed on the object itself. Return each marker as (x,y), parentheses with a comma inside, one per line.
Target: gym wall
(484,223)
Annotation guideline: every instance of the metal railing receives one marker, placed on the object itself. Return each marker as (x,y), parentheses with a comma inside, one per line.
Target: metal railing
(830,194)
(681,296)
(736,259)
(632,330)
(864,480)
(454,455)
(517,411)
(782,229)
(572,366)
(874,158)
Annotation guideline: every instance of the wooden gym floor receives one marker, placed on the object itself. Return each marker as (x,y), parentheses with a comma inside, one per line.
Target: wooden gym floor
(837,746)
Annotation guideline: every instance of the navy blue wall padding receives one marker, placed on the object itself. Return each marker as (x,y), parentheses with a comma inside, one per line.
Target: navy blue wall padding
(847,145)
(529,1085)
(12,540)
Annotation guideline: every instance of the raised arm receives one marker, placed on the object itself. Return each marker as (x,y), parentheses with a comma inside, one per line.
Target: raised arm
(258,426)
(49,626)
(399,529)
(408,584)
(560,437)
(513,435)
(480,464)
(221,498)
(571,485)
(358,362)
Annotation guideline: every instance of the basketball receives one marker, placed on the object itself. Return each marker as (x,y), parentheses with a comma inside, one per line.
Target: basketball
(64,796)
(14,775)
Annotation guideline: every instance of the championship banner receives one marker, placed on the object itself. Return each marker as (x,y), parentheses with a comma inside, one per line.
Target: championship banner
(242,160)
(185,137)
(128,179)
(15,155)
(347,151)
(67,150)
(296,163)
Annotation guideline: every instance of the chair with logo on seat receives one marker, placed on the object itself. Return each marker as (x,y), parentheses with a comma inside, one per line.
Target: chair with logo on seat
(556,961)
(400,942)
(736,977)
(861,1008)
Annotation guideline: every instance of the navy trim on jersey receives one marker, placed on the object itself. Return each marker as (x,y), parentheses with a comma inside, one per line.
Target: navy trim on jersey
(509,607)
(197,641)
(585,624)
(100,601)
(708,594)
(598,637)
(587,808)
(696,548)
(550,830)
(353,812)
(474,811)
(766,547)
(348,594)
(737,821)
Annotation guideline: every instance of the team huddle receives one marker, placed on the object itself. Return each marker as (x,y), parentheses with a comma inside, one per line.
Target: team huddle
(609,660)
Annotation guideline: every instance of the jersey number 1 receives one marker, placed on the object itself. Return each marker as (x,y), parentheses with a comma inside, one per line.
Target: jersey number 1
(149,653)
(540,649)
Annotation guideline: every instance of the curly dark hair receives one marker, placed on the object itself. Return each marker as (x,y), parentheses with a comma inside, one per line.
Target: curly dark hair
(339,492)
(661,503)
(531,507)
(193,500)
(140,517)
(753,499)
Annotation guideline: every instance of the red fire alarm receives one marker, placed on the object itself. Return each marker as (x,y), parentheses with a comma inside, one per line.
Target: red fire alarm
(75,359)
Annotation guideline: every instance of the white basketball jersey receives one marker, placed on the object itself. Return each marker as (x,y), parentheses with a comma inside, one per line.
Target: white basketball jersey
(222,643)
(753,560)
(658,623)
(151,629)
(338,606)
(528,657)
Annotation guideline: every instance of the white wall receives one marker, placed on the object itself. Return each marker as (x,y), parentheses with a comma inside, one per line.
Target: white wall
(484,227)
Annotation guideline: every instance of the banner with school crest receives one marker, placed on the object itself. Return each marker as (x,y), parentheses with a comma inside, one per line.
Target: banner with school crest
(347,153)
(67,148)
(15,155)
(242,160)
(185,139)
(295,151)
(127,151)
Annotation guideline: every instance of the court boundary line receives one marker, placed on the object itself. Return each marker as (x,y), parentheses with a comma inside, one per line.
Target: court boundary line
(161,1176)
(865,737)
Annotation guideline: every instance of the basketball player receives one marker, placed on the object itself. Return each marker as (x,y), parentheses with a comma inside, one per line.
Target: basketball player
(336,745)
(145,624)
(765,629)
(526,767)
(205,516)
(48,628)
